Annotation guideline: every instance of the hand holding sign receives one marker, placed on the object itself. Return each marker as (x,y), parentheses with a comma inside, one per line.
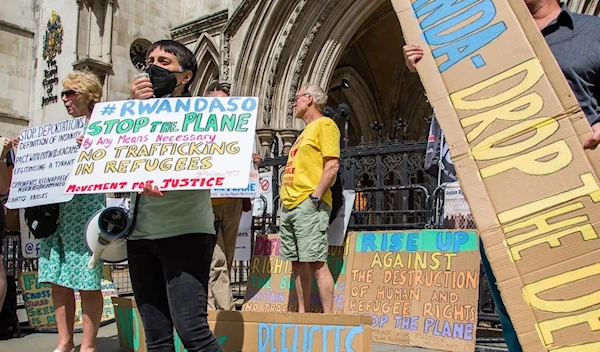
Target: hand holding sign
(151,190)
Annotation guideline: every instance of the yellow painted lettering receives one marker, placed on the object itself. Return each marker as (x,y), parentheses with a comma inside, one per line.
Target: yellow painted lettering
(512,111)
(547,327)
(542,225)
(533,72)
(529,163)
(532,290)
(587,231)
(589,188)
(487,149)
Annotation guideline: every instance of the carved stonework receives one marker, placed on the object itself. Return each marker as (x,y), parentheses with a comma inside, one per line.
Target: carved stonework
(288,137)
(236,20)
(99,68)
(192,30)
(265,137)
(280,47)
(306,43)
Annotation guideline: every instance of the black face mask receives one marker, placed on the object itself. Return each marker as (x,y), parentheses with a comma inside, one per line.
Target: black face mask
(163,81)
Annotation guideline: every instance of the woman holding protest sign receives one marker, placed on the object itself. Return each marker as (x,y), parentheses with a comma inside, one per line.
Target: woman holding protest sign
(64,255)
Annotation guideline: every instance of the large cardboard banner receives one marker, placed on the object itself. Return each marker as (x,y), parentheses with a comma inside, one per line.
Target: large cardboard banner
(40,307)
(420,287)
(271,287)
(43,162)
(515,133)
(176,143)
(260,332)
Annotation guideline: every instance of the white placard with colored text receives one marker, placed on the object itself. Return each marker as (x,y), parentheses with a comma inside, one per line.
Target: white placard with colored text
(174,143)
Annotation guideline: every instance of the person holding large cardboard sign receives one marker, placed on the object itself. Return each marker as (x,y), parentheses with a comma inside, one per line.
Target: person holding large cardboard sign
(310,172)
(572,38)
(173,238)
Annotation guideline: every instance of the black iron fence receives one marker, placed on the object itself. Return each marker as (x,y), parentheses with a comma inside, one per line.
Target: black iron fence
(393,192)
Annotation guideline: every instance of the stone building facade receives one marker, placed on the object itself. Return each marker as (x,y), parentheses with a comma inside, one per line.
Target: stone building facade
(263,48)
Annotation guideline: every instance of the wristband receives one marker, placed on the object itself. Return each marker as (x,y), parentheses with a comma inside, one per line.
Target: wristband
(315,200)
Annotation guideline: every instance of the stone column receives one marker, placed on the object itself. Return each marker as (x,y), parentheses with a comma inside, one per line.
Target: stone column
(107,34)
(288,137)
(266,137)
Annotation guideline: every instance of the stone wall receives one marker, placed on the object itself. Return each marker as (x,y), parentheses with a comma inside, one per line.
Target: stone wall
(150,20)
(16,40)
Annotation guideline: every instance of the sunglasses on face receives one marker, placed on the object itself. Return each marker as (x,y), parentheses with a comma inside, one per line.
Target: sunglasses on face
(69,93)
(302,95)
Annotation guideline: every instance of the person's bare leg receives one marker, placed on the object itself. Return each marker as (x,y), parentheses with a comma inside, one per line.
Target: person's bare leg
(303,280)
(324,280)
(92,305)
(3,283)
(64,309)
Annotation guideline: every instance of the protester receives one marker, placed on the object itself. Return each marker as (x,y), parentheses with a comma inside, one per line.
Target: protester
(311,169)
(171,246)
(227,220)
(6,167)
(573,39)
(64,255)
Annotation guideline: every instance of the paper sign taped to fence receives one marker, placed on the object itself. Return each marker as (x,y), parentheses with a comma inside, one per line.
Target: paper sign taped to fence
(421,287)
(515,132)
(43,162)
(40,307)
(243,243)
(266,191)
(271,287)
(260,332)
(338,228)
(176,143)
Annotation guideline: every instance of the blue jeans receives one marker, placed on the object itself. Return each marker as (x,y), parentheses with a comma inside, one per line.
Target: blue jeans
(510,335)
(170,280)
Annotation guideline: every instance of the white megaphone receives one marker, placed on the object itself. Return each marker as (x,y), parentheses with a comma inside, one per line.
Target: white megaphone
(106,235)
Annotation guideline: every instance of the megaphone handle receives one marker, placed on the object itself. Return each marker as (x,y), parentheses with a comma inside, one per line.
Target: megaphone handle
(95,257)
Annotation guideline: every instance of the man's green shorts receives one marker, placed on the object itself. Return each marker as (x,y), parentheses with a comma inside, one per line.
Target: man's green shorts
(304,235)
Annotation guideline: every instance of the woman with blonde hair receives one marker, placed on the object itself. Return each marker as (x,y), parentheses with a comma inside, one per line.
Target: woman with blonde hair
(64,255)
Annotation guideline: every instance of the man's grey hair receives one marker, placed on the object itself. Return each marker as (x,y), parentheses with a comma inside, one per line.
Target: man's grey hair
(318,95)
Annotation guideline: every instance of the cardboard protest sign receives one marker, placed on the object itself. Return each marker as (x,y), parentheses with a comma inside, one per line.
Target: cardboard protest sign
(421,287)
(262,332)
(271,287)
(176,143)
(43,162)
(515,132)
(40,307)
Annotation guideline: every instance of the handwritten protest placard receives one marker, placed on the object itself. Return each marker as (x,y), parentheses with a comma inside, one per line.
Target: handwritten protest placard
(271,287)
(43,162)
(175,143)
(258,332)
(40,307)
(421,287)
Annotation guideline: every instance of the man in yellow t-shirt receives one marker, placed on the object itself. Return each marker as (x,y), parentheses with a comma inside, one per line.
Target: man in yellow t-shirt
(310,171)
